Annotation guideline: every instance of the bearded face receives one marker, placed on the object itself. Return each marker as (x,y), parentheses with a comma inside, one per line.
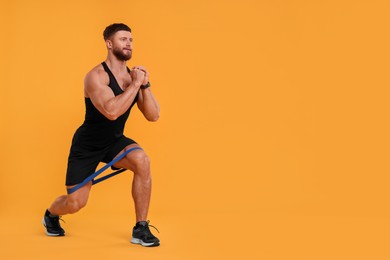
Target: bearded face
(121,45)
(122,54)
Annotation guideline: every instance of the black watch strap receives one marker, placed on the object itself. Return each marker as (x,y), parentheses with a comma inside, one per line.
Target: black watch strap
(145,86)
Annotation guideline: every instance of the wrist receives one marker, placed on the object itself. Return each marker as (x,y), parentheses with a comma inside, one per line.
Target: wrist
(147,85)
(136,84)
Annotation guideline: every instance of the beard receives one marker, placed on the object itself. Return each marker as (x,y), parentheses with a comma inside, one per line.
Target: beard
(121,55)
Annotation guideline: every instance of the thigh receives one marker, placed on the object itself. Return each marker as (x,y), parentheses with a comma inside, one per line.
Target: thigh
(131,159)
(81,164)
(118,147)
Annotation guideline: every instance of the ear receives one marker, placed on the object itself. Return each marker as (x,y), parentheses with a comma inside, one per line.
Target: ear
(109,44)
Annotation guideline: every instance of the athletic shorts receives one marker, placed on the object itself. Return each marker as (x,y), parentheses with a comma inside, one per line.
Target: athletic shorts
(83,163)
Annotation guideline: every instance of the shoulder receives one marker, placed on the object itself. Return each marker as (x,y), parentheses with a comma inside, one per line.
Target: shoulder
(97,75)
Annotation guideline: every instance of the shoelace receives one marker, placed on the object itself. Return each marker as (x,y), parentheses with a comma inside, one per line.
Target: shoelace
(148,230)
(153,227)
(57,221)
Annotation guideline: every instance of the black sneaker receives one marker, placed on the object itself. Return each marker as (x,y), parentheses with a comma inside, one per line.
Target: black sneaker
(52,225)
(143,236)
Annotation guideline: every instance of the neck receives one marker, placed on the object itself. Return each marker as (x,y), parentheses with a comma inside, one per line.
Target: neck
(115,64)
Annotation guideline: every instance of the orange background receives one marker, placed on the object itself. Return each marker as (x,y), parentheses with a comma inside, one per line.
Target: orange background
(272,143)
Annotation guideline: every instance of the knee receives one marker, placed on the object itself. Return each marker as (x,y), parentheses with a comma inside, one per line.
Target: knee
(140,161)
(74,205)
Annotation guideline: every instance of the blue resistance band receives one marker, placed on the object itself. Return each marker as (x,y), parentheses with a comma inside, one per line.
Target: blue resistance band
(92,177)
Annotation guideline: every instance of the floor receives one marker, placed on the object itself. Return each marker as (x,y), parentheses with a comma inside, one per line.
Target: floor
(94,233)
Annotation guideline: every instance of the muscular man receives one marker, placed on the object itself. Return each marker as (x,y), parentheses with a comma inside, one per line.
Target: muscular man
(111,90)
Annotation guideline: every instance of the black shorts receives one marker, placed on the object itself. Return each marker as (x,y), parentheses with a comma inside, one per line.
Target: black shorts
(83,163)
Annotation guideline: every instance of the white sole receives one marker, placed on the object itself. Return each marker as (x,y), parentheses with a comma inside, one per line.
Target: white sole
(140,242)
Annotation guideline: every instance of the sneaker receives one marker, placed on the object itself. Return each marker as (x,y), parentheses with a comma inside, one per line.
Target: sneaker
(143,236)
(52,225)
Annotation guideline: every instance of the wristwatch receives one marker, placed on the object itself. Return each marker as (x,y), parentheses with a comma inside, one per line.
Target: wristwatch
(145,86)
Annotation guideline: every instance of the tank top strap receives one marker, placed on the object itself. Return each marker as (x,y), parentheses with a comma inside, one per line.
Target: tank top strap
(113,83)
(110,75)
(107,69)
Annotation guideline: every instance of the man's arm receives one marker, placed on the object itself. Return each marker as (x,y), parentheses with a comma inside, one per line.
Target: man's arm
(103,98)
(146,102)
(148,105)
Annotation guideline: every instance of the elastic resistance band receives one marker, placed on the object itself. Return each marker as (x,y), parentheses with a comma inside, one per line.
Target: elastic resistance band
(92,177)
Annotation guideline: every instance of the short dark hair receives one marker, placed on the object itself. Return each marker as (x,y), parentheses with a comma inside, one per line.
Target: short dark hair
(113,28)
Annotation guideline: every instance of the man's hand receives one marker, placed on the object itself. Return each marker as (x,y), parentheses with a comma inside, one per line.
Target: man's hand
(146,78)
(138,76)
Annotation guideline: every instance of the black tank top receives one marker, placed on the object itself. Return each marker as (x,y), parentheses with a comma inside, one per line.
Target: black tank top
(97,131)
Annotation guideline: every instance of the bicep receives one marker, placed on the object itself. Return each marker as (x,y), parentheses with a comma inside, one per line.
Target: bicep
(99,93)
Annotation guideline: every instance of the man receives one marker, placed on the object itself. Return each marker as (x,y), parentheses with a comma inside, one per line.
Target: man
(110,90)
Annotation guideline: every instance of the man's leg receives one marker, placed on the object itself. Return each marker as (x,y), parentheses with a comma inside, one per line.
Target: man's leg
(69,204)
(138,162)
(66,204)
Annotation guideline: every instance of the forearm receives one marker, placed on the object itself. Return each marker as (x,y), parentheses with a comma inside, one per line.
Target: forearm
(151,108)
(118,105)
